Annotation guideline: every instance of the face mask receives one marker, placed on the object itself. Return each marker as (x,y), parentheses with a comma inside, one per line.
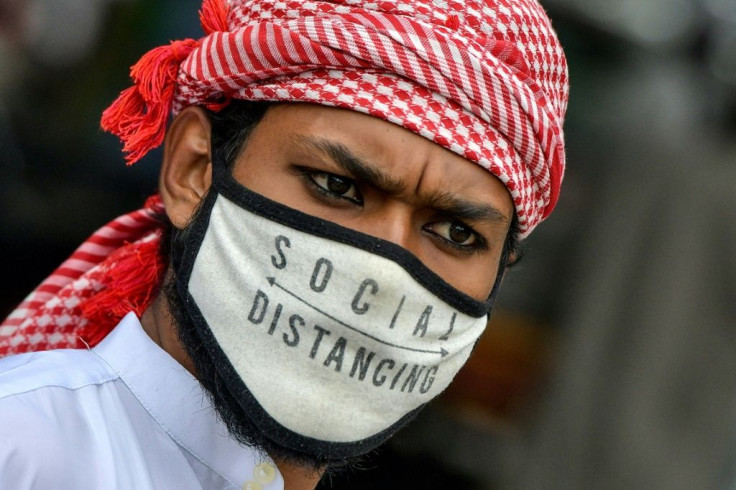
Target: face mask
(329,339)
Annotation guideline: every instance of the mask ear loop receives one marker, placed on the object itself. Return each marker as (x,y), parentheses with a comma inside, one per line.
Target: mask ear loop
(496,286)
(494,292)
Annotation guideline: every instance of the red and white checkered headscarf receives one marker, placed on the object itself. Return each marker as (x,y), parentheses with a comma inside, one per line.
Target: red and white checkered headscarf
(486,79)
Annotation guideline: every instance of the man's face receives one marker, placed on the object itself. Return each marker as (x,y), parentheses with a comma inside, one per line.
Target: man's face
(383,180)
(370,176)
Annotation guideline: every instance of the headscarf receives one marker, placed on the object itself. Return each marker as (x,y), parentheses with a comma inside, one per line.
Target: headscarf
(116,270)
(486,79)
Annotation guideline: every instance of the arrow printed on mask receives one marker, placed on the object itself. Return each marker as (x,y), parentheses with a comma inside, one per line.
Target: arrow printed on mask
(441,352)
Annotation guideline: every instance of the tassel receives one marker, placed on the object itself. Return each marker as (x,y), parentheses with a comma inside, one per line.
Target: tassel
(139,115)
(213,16)
(452,22)
(130,278)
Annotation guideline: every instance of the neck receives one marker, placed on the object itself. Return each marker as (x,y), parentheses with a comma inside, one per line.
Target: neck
(159,324)
(298,477)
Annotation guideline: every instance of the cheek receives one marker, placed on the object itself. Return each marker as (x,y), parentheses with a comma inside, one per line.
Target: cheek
(476,279)
(474,275)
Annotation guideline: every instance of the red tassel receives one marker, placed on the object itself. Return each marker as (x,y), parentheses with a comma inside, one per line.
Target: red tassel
(139,115)
(213,16)
(452,22)
(130,278)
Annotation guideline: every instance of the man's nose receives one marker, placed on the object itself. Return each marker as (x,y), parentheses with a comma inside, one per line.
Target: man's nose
(393,222)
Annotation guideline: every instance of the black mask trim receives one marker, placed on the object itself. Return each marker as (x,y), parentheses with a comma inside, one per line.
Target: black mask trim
(268,425)
(225,184)
(183,263)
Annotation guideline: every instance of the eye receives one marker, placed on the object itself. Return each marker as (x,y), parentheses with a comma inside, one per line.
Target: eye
(336,186)
(456,234)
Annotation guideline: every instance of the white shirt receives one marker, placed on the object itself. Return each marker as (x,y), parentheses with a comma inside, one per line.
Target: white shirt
(124,415)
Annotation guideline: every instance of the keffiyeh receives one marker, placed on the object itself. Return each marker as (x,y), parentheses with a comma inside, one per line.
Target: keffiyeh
(486,79)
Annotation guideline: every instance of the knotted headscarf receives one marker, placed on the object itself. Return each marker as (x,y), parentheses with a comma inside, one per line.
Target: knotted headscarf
(486,79)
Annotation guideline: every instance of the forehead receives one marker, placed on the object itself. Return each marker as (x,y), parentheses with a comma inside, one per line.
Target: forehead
(415,167)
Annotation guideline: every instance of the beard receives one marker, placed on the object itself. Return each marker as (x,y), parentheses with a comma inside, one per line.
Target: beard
(227,406)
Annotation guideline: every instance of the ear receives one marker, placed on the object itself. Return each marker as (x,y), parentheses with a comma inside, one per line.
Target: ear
(186,172)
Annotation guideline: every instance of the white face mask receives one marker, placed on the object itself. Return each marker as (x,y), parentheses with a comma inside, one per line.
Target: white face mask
(332,339)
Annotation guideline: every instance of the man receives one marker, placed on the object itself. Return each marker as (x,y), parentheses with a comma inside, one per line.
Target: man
(324,253)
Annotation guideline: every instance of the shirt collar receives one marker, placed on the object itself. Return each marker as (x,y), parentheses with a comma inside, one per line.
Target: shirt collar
(176,400)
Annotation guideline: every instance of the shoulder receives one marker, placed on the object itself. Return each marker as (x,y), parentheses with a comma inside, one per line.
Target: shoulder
(68,369)
(44,417)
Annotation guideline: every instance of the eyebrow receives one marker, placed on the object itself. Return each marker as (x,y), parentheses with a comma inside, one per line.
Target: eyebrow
(442,201)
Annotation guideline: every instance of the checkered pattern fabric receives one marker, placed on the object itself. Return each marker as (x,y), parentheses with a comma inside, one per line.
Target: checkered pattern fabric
(53,315)
(486,79)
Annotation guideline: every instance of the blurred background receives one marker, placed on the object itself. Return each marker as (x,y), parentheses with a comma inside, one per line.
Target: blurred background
(611,360)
